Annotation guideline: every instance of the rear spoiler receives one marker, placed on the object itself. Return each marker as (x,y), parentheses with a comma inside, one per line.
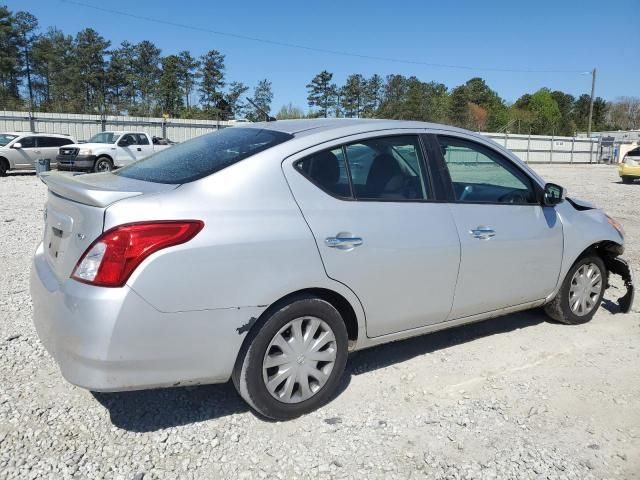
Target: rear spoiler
(99,190)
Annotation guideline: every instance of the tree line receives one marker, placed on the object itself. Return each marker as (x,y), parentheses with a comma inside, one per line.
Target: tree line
(473,105)
(55,72)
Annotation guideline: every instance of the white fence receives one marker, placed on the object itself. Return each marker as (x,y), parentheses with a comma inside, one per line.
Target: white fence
(549,149)
(82,127)
(530,148)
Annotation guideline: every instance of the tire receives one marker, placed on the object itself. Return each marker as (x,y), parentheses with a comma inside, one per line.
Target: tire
(560,308)
(4,167)
(299,393)
(103,164)
(626,179)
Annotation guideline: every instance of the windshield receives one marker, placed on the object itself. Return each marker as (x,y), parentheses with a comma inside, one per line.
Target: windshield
(104,137)
(203,155)
(5,138)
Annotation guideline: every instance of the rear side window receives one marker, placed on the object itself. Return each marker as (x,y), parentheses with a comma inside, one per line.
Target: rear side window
(634,153)
(203,155)
(45,142)
(328,171)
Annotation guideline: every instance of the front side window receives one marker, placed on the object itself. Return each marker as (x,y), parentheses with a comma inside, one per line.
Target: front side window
(481,175)
(203,155)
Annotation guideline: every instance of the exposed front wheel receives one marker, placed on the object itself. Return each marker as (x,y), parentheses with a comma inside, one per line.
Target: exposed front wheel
(4,167)
(581,293)
(627,179)
(103,164)
(293,362)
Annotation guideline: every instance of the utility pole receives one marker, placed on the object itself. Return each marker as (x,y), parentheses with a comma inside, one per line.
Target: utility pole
(593,89)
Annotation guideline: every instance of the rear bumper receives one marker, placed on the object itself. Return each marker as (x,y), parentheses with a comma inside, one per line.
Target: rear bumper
(79,162)
(110,339)
(625,170)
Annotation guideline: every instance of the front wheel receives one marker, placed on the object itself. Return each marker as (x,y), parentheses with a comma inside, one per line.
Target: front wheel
(103,164)
(581,293)
(292,362)
(4,167)
(626,179)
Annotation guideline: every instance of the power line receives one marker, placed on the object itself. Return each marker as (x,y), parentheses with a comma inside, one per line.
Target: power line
(309,48)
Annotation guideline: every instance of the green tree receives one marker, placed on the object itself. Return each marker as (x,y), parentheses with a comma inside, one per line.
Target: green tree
(90,50)
(581,112)
(262,97)
(546,113)
(9,60)
(290,112)
(169,89)
(236,106)
(353,95)
(459,107)
(121,86)
(25,25)
(373,91)
(567,125)
(145,75)
(188,75)
(322,93)
(212,83)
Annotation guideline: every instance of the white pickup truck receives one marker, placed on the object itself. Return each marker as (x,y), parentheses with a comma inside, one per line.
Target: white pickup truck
(107,150)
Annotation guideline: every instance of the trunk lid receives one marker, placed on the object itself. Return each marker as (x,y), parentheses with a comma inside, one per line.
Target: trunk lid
(75,209)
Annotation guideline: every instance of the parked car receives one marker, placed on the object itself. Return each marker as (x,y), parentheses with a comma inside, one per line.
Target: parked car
(19,150)
(106,150)
(629,169)
(265,253)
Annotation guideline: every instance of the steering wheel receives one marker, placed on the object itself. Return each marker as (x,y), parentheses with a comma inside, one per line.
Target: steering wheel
(513,196)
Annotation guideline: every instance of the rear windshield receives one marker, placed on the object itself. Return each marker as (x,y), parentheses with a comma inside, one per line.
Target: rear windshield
(203,155)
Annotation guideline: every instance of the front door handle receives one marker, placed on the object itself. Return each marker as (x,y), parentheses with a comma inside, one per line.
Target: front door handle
(343,242)
(483,233)
(139,149)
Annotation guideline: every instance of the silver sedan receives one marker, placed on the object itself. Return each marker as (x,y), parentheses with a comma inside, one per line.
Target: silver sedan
(265,253)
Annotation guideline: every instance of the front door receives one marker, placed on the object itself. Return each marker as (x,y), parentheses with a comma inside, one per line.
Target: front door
(369,204)
(25,156)
(511,245)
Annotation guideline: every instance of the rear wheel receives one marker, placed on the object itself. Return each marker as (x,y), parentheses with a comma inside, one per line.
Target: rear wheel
(4,167)
(293,362)
(581,292)
(626,179)
(103,164)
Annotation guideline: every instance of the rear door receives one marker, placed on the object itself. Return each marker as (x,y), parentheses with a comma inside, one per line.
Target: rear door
(49,147)
(370,204)
(144,147)
(511,245)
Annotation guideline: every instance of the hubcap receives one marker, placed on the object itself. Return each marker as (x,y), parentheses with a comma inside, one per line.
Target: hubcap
(585,289)
(299,359)
(104,166)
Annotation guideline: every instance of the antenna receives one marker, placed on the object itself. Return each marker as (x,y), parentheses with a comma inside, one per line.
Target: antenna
(267,117)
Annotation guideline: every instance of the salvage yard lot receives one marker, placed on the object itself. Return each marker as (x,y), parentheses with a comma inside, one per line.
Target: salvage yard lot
(514,397)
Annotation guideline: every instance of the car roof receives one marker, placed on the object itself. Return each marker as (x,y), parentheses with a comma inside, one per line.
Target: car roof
(355,125)
(39,134)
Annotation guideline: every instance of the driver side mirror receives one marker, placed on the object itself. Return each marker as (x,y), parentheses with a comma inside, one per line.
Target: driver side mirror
(553,194)
(17,145)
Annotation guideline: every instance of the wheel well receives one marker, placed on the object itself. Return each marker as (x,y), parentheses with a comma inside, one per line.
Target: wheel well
(605,249)
(104,155)
(338,301)
(6,162)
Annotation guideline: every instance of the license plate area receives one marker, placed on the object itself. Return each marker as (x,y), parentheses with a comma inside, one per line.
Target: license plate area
(54,242)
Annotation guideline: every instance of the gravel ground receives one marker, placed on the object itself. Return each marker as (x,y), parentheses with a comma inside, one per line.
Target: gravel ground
(514,397)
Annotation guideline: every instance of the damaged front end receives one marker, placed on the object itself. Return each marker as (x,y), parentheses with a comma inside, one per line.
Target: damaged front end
(620,266)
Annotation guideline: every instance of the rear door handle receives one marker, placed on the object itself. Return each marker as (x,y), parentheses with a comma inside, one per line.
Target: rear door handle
(483,233)
(342,242)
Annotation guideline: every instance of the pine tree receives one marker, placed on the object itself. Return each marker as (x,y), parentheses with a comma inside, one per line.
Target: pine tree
(9,60)
(212,83)
(146,74)
(90,52)
(262,97)
(322,93)
(236,106)
(169,90)
(26,24)
(187,75)
(353,95)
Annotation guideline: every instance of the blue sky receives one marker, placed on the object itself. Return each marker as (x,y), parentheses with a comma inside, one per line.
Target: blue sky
(542,35)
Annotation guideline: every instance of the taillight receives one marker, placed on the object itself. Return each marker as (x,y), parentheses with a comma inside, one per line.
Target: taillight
(111,259)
